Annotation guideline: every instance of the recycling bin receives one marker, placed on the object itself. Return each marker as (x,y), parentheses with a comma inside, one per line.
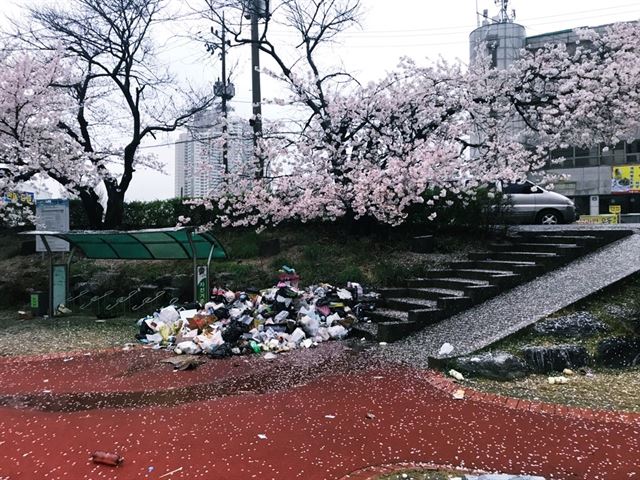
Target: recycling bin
(39,304)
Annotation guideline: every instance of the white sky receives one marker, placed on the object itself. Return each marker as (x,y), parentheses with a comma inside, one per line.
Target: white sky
(390,29)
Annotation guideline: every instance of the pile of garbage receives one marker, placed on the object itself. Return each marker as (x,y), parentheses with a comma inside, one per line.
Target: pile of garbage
(275,320)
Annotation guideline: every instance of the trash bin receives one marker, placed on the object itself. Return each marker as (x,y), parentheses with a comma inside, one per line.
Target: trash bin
(39,304)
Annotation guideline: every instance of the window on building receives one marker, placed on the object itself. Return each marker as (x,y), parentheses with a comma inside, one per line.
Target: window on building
(586,162)
(633,151)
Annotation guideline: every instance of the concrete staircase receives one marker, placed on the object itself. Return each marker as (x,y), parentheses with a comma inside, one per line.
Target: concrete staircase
(518,258)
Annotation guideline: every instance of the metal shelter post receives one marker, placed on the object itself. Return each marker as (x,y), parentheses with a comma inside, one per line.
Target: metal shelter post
(71,252)
(194,255)
(50,253)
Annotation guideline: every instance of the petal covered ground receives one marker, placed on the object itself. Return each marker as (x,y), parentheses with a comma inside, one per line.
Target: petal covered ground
(317,414)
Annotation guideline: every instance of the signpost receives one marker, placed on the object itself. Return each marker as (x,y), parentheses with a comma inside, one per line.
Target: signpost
(52,215)
(616,210)
(202,284)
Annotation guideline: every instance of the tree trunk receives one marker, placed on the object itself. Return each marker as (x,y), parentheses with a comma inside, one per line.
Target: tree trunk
(115,210)
(92,207)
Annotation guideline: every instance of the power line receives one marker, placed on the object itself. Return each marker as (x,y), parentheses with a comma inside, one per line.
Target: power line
(467,28)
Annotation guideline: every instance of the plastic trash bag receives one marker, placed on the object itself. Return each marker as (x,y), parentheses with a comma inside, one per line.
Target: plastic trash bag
(188,348)
(297,336)
(168,315)
(310,325)
(337,331)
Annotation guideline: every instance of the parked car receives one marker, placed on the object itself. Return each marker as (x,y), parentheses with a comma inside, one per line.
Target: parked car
(527,202)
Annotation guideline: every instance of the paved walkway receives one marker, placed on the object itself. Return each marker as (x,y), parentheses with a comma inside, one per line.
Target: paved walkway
(321,414)
(524,305)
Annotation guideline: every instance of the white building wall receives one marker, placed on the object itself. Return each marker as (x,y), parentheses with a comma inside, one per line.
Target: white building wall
(199,163)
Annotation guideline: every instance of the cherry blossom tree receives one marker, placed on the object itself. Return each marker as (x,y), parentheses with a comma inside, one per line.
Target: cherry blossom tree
(375,150)
(32,146)
(120,94)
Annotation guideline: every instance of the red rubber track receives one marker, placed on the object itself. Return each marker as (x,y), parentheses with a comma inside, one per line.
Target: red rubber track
(416,420)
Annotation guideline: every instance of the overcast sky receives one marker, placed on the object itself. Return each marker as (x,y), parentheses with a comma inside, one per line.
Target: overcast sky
(390,29)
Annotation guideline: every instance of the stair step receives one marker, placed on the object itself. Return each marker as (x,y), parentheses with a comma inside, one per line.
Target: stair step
(536,247)
(493,264)
(388,314)
(491,272)
(392,331)
(453,283)
(455,304)
(434,293)
(409,303)
(391,292)
(366,330)
(463,280)
(542,257)
(566,239)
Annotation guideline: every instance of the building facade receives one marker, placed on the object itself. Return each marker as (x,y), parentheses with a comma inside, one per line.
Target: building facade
(597,177)
(199,163)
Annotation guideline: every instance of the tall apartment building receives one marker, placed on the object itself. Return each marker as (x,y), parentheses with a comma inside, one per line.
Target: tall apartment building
(199,153)
(597,177)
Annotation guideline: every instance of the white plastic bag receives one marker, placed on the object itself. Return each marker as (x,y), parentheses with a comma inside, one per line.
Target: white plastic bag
(168,315)
(337,331)
(297,336)
(310,325)
(188,348)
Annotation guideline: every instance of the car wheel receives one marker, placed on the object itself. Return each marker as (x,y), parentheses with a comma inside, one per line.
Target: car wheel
(549,217)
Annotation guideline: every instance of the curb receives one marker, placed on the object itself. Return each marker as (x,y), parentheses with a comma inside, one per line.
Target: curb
(374,471)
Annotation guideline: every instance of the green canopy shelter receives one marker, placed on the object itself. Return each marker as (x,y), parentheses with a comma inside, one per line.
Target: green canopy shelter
(182,243)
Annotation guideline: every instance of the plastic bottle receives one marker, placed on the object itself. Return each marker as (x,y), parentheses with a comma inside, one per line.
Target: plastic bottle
(106,458)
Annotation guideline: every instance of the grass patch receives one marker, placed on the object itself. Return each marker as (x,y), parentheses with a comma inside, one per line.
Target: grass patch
(327,253)
(421,474)
(607,389)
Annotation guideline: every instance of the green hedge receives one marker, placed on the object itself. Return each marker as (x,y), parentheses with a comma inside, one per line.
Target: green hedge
(141,215)
(476,213)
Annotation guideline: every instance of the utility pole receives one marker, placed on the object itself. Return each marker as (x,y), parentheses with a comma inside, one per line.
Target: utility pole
(258,10)
(223,89)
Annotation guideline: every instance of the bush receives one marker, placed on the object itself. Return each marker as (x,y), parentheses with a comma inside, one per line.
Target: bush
(142,215)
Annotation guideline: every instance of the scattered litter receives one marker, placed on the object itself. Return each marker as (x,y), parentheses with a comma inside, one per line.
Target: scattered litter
(445,349)
(101,321)
(383,344)
(171,472)
(67,359)
(62,310)
(458,394)
(330,416)
(186,362)
(568,372)
(262,436)
(106,458)
(370,416)
(457,375)
(558,380)
(270,356)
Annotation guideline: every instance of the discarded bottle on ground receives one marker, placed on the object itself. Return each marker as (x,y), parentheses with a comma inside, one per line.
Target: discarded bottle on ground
(106,458)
